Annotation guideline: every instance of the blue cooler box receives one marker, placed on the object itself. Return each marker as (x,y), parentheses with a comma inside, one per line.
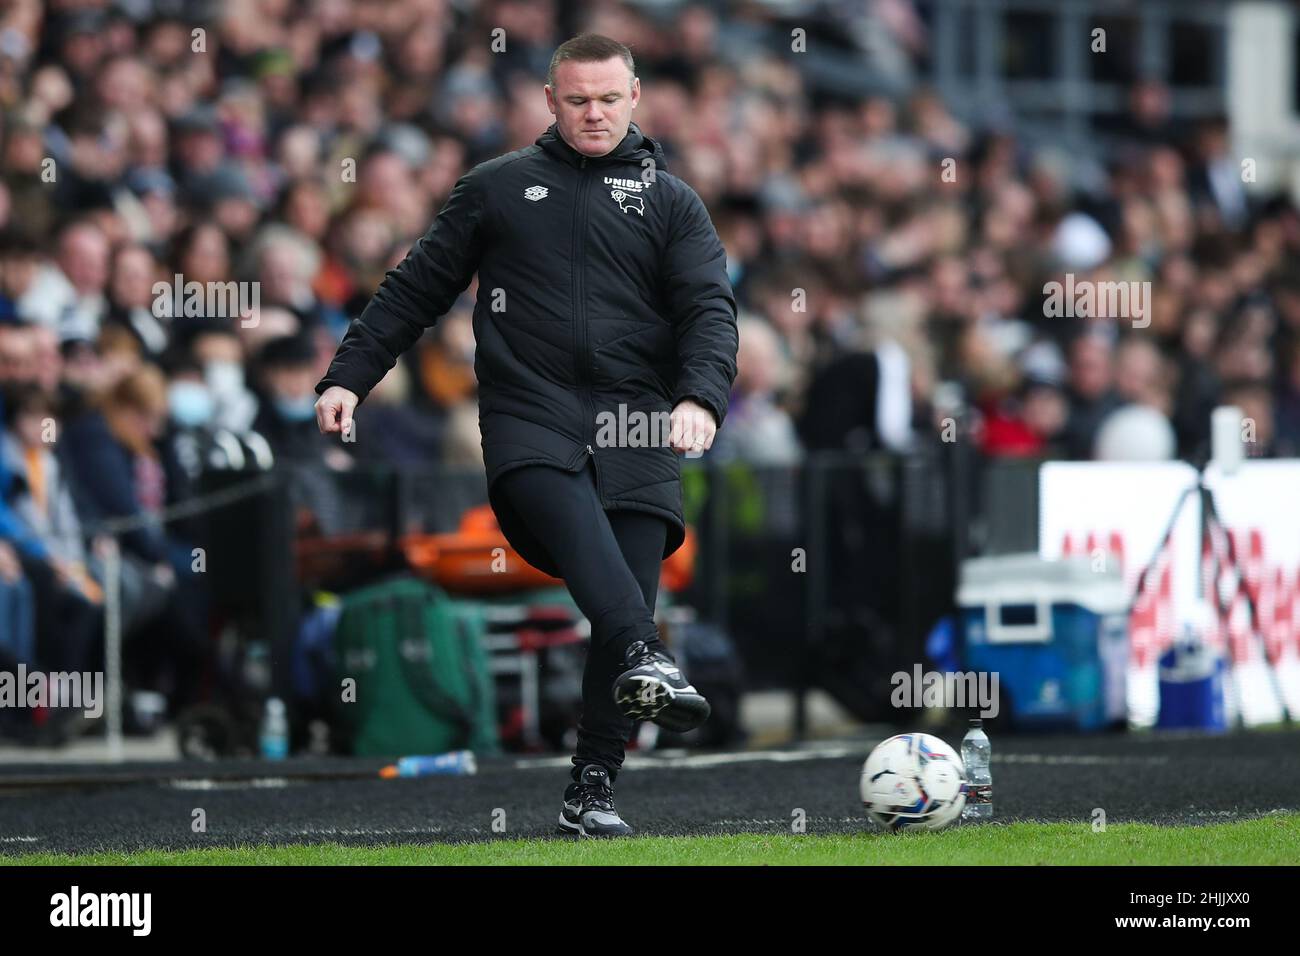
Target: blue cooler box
(1055,632)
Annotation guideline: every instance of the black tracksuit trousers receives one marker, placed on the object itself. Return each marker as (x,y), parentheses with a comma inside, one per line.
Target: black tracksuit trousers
(610,562)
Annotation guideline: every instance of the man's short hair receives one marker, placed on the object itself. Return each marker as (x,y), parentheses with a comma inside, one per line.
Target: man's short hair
(589,48)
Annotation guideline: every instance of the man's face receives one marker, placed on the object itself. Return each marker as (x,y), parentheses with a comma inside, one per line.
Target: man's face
(84,260)
(1090,367)
(592,103)
(17,355)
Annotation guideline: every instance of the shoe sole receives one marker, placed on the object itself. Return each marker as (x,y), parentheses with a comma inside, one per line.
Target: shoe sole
(569,828)
(645,697)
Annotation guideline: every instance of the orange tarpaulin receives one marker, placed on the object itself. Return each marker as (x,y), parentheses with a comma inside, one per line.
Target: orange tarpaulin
(477,558)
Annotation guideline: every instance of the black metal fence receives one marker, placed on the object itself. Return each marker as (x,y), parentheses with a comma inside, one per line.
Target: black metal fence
(826,574)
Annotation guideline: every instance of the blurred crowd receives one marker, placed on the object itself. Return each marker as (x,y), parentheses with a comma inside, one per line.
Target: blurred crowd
(936,259)
(889,259)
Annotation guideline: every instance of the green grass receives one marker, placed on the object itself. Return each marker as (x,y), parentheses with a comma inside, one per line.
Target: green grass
(1273,839)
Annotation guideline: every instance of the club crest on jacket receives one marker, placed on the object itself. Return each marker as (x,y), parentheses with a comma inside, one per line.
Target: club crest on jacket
(627,193)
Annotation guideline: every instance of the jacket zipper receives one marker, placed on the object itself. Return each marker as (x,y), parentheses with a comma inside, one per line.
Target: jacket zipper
(582,360)
(579,266)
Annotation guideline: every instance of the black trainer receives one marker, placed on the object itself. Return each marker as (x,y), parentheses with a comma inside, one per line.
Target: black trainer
(589,806)
(655,689)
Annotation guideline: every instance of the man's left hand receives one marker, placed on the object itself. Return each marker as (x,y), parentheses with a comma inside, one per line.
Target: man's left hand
(691,429)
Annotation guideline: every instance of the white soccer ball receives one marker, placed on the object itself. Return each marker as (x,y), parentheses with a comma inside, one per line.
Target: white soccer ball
(913,781)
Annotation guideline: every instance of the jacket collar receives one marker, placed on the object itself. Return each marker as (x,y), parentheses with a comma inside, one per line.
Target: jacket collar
(635,147)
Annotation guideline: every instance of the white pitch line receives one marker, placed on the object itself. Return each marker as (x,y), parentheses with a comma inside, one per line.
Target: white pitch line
(206,783)
(704,761)
(359,831)
(831,752)
(785,822)
(1077,759)
(21,839)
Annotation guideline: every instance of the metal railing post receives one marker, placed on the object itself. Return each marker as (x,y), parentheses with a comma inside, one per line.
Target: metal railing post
(113,643)
(815,587)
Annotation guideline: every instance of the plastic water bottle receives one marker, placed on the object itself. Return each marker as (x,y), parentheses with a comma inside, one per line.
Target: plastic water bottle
(976,754)
(457,763)
(274,737)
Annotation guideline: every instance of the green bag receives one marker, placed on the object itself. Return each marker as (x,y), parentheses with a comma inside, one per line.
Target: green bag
(422,680)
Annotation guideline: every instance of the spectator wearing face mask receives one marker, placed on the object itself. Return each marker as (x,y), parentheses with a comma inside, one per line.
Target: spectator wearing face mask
(288,369)
(286,415)
(216,347)
(198,442)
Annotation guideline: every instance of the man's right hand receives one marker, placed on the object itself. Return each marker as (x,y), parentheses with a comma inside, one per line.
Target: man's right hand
(334,410)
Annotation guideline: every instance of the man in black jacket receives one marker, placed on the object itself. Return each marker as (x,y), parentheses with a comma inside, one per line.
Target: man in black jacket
(606,346)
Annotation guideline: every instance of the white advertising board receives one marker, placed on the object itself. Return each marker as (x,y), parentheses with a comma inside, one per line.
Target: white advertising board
(1120,512)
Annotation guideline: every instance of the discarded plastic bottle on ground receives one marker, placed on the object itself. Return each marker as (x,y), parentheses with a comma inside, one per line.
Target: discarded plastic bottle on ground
(273,741)
(976,754)
(457,763)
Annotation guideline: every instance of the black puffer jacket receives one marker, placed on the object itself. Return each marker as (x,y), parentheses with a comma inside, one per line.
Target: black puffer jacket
(596,290)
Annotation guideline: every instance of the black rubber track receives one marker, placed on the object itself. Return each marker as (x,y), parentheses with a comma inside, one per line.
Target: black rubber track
(1151,778)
